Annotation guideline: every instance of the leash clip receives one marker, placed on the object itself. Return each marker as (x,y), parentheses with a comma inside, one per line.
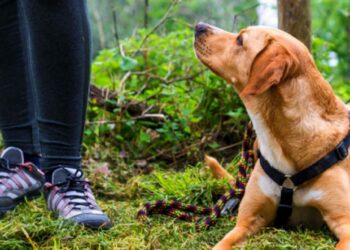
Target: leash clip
(230,206)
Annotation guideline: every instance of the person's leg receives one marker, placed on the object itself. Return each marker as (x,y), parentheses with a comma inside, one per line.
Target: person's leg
(59,40)
(17,113)
(60,51)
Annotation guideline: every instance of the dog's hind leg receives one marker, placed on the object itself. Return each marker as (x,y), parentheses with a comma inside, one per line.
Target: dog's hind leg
(217,170)
(338,221)
(332,200)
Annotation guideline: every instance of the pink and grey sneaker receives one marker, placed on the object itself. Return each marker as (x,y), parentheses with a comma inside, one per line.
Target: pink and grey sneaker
(70,197)
(18,180)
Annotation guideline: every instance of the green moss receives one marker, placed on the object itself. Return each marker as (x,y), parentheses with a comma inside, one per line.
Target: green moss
(30,225)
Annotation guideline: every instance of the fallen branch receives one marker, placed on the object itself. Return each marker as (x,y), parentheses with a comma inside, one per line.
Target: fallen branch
(107,100)
(159,117)
(173,80)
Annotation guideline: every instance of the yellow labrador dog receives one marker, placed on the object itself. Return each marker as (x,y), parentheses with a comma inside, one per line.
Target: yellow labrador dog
(298,121)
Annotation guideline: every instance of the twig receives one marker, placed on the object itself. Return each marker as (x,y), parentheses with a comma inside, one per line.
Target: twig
(227,147)
(122,84)
(235,17)
(184,78)
(148,109)
(99,122)
(164,80)
(160,23)
(151,116)
(116,33)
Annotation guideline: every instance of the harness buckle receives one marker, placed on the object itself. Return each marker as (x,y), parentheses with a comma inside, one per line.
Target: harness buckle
(230,206)
(342,151)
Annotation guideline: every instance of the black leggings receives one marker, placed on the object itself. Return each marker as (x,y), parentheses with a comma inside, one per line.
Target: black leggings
(44,77)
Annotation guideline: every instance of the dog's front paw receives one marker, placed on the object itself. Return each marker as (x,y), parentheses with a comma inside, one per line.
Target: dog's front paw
(343,244)
(222,245)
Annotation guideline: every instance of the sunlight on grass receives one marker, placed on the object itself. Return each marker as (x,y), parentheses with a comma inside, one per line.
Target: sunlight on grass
(30,225)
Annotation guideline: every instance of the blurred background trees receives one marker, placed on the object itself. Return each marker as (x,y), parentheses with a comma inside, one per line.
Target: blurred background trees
(130,15)
(294,17)
(331,42)
(154,104)
(330,23)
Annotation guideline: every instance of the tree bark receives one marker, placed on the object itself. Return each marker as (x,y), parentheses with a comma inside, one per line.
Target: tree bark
(294,17)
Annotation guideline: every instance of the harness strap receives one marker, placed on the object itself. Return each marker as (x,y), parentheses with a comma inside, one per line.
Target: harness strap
(338,154)
(276,175)
(284,210)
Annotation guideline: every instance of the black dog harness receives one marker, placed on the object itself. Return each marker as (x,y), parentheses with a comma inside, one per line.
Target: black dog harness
(290,183)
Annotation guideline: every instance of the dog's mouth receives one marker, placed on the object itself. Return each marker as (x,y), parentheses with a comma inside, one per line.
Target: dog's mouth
(202,31)
(202,50)
(203,53)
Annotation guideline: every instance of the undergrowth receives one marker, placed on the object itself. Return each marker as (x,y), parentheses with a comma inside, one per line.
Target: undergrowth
(31,226)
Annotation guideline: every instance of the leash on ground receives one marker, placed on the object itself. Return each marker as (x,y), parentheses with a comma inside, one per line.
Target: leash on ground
(204,217)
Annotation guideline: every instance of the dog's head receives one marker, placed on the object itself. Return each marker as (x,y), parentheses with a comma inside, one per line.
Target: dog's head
(253,60)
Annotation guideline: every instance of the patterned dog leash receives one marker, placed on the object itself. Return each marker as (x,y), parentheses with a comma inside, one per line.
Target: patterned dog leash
(204,217)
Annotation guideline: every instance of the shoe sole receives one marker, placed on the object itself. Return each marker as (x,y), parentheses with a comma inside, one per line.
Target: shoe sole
(93,226)
(29,196)
(93,223)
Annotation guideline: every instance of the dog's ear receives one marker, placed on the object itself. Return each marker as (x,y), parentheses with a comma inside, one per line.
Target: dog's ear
(270,67)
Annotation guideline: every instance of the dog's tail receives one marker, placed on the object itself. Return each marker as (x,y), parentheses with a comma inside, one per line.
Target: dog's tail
(217,170)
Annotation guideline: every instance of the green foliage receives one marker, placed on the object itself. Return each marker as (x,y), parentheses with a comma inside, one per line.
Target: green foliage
(331,42)
(167,76)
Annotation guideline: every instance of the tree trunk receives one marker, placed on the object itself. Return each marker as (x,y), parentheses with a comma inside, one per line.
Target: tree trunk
(145,15)
(294,17)
(99,24)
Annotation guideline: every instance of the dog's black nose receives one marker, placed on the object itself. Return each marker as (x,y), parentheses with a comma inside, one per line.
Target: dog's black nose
(201,28)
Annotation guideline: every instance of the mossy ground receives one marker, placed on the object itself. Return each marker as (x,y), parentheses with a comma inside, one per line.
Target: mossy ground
(30,225)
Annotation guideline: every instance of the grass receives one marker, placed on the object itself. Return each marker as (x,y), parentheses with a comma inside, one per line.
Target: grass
(31,226)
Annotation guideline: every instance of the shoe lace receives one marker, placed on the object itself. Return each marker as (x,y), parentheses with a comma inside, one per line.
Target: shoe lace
(75,182)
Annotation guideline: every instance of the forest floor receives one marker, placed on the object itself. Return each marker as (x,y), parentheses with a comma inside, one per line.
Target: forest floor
(31,226)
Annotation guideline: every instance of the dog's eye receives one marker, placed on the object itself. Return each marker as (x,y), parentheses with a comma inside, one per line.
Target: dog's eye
(239,40)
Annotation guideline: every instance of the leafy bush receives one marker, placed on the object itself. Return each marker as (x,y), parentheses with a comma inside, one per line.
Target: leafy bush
(202,112)
(331,45)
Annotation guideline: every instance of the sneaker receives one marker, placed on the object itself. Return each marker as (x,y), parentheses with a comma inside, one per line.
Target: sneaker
(18,180)
(70,197)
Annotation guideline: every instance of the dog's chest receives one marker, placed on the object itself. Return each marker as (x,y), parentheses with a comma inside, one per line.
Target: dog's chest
(301,196)
(302,212)
(269,147)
